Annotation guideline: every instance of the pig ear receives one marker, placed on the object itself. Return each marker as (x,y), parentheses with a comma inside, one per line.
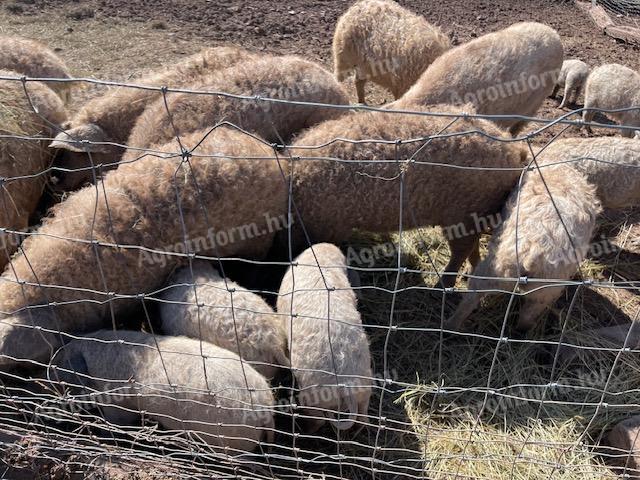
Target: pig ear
(82,139)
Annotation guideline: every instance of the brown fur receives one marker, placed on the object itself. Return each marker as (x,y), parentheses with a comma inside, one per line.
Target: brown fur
(334,197)
(289,78)
(110,117)
(493,66)
(385,43)
(33,59)
(24,158)
(152,203)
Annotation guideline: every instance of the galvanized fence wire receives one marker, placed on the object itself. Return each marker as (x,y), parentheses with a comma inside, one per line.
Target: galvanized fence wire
(623,9)
(49,423)
(625,14)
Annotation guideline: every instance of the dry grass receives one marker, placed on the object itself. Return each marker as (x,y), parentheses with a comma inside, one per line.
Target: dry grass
(524,408)
(93,47)
(460,447)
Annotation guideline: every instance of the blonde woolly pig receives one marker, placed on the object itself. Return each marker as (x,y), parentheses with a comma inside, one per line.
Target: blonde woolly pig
(24,162)
(33,59)
(184,384)
(611,87)
(385,43)
(573,77)
(611,164)
(287,78)
(545,235)
(329,348)
(109,118)
(199,303)
(508,72)
(362,170)
(119,241)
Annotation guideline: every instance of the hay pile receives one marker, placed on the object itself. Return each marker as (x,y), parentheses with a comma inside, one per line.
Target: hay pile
(481,408)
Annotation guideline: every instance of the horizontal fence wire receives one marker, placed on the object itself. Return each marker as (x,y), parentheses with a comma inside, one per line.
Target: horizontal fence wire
(622,8)
(444,402)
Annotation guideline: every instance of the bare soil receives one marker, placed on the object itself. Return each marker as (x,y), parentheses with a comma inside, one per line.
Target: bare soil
(118,39)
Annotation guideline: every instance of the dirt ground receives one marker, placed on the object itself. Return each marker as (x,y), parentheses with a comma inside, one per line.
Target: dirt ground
(119,39)
(122,39)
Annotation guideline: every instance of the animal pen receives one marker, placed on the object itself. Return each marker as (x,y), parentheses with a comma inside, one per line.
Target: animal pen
(483,401)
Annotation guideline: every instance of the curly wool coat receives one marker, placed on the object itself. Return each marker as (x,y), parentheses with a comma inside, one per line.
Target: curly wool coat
(122,238)
(547,225)
(610,87)
(24,162)
(329,348)
(288,78)
(380,171)
(385,43)
(611,164)
(184,384)
(109,118)
(508,72)
(199,303)
(33,59)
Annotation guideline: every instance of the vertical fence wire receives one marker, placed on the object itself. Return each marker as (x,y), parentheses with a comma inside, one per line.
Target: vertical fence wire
(420,423)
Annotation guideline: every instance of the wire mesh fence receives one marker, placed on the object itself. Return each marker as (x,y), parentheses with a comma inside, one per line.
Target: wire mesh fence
(622,8)
(622,17)
(184,238)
